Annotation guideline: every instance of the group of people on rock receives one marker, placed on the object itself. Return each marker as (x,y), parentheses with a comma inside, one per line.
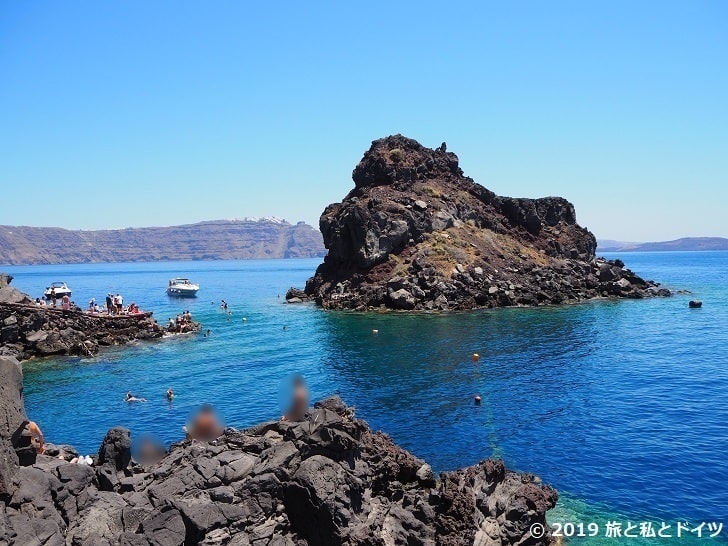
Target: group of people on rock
(114,305)
(181,323)
(53,301)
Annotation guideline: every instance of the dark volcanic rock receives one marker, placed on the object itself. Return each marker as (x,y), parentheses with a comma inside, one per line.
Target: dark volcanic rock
(415,233)
(115,450)
(8,294)
(326,480)
(12,416)
(27,330)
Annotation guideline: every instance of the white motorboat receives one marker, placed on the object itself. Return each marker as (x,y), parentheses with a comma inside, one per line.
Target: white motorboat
(182,288)
(60,288)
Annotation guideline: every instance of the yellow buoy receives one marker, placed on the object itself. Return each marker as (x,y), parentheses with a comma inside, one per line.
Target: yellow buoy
(476,357)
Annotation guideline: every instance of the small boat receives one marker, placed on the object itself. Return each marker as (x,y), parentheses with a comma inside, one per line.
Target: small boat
(182,288)
(60,288)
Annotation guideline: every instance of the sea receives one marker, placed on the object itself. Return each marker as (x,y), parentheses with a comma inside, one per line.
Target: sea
(622,406)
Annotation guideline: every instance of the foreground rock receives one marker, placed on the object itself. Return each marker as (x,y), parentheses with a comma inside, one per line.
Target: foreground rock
(327,480)
(415,233)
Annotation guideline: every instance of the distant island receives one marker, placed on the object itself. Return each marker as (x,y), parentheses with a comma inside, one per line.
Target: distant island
(685,244)
(235,239)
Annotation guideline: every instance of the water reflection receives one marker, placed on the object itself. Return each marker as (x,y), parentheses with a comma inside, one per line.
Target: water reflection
(416,378)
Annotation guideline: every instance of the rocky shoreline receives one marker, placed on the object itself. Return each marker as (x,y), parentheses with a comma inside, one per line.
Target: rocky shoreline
(326,480)
(28,330)
(416,234)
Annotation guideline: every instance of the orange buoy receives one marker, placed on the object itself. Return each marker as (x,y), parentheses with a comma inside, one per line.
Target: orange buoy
(476,357)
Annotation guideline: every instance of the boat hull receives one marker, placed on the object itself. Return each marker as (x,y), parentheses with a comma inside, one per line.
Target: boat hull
(59,294)
(182,292)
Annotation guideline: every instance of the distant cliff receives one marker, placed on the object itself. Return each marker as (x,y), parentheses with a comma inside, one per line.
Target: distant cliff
(415,233)
(684,244)
(216,240)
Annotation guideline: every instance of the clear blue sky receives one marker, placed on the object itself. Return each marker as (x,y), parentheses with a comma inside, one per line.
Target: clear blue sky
(119,114)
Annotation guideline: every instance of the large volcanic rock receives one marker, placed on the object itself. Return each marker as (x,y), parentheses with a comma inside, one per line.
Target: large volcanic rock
(415,233)
(12,417)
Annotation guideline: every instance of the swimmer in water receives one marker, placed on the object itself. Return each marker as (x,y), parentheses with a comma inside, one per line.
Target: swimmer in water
(170,394)
(131,398)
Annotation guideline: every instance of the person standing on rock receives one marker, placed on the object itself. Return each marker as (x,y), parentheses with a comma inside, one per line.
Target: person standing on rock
(53,296)
(119,304)
(66,303)
(31,429)
(205,426)
(109,304)
(299,401)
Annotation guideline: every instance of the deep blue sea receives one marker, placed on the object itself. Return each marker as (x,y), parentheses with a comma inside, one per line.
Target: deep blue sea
(621,405)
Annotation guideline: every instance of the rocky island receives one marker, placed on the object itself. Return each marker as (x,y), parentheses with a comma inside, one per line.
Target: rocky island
(415,233)
(326,480)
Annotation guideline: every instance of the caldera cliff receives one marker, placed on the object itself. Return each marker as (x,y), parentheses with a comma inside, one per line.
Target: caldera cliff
(415,233)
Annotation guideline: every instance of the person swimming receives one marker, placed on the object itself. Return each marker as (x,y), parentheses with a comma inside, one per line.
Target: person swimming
(170,394)
(131,398)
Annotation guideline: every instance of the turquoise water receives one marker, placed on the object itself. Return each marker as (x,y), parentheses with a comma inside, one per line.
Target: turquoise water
(622,406)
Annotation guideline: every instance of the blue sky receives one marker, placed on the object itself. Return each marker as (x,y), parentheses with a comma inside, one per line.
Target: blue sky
(159,113)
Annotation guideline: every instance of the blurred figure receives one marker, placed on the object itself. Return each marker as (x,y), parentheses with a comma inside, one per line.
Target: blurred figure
(150,450)
(36,436)
(299,400)
(170,394)
(205,425)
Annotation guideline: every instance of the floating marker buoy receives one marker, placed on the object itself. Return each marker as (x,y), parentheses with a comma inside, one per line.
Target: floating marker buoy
(375,331)
(476,357)
(477,400)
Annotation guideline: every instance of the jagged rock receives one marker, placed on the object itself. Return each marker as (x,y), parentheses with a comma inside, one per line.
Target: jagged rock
(115,450)
(402,299)
(12,417)
(414,215)
(695,304)
(8,294)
